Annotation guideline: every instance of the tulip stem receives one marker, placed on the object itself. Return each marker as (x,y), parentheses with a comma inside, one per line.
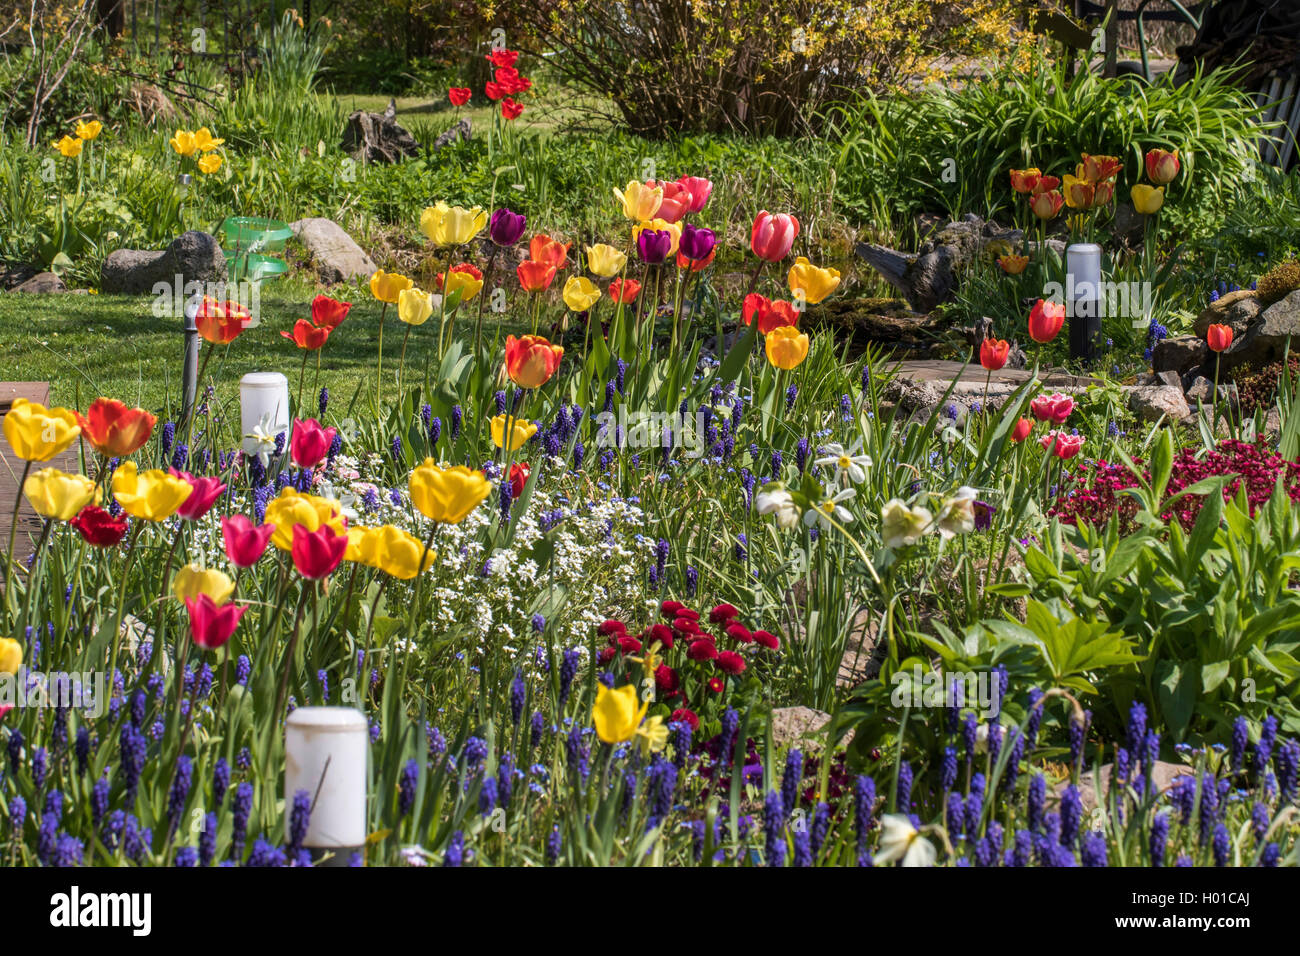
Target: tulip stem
(379,366)
(121,596)
(401,365)
(13,530)
(302,375)
(478,325)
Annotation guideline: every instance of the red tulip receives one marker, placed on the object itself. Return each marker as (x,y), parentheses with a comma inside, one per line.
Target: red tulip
(535,276)
(771,315)
(542,248)
(115,430)
(510,109)
(503,58)
(993,353)
(1060,444)
(1045,320)
(220,322)
(518,478)
(1023,427)
(494,90)
(327,313)
(624,290)
(459,95)
(773,235)
(317,553)
(98,527)
(696,265)
(1052,408)
(245,542)
(699,188)
(676,202)
(210,624)
(310,442)
(204,493)
(531,360)
(1218,337)
(307,336)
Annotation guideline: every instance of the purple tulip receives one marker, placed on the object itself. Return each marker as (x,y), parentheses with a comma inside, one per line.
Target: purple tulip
(654,245)
(697,243)
(506,227)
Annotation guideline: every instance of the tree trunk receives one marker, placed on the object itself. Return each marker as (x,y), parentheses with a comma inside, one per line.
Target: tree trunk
(112,16)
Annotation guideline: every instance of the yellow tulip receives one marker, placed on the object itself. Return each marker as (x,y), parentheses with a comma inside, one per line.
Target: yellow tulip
(520,432)
(580,293)
(152,495)
(414,306)
(639,202)
(616,714)
(295,508)
(209,164)
(447,495)
(814,283)
(1147,199)
(387,286)
(395,552)
(452,225)
(89,130)
(605,261)
(69,146)
(673,229)
(11,655)
(786,347)
(36,433)
(57,494)
(184,142)
(192,580)
(356,534)
(205,141)
(466,283)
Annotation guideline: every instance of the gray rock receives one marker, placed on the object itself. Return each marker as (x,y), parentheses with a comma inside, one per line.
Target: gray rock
(795,724)
(1154,402)
(193,256)
(334,253)
(917,400)
(1267,337)
(42,283)
(1169,378)
(1236,309)
(1178,353)
(1162,777)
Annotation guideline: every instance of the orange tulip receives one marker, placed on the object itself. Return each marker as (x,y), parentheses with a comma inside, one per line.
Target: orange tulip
(220,322)
(115,430)
(307,336)
(550,251)
(1096,169)
(1046,205)
(624,291)
(1045,320)
(535,276)
(1218,337)
(1013,265)
(531,360)
(1162,166)
(993,353)
(1024,180)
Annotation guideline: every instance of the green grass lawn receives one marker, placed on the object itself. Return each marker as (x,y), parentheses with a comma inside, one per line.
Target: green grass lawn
(91,345)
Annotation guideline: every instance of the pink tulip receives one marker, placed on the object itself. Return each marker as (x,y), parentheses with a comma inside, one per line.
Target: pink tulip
(1052,408)
(773,235)
(676,203)
(211,625)
(245,541)
(205,493)
(699,188)
(316,554)
(310,443)
(1061,444)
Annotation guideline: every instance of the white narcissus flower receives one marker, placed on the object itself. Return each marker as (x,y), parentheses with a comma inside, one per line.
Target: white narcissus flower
(264,439)
(830,508)
(780,503)
(902,843)
(848,465)
(901,526)
(958,513)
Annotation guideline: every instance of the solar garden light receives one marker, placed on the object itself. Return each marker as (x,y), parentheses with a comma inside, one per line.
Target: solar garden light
(264,404)
(190,370)
(325,754)
(1083,298)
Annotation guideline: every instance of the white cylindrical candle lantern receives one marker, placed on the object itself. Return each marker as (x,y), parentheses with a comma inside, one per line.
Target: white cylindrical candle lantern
(263,400)
(1083,270)
(325,755)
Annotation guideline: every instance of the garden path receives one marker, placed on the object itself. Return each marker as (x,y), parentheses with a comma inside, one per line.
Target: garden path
(11,470)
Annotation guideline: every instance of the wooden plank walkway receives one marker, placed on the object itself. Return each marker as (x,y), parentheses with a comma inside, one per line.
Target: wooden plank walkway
(934,370)
(11,470)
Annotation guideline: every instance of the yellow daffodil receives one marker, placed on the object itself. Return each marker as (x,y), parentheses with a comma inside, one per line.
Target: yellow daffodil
(812,282)
(184,142)
(89,130)
(36,433)
(205,141)
(520,432)
(414,306)
(295,508)
(395,552)
(387,286)
(452,225)
(1147,199)
(193,580)
(11,655)
(69,146)
(652,736)
(639,201)
(580,293)
(152,495)
(786,347)
(605,261)
(57,494)
(209,164)
(616,714)
(447,495)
